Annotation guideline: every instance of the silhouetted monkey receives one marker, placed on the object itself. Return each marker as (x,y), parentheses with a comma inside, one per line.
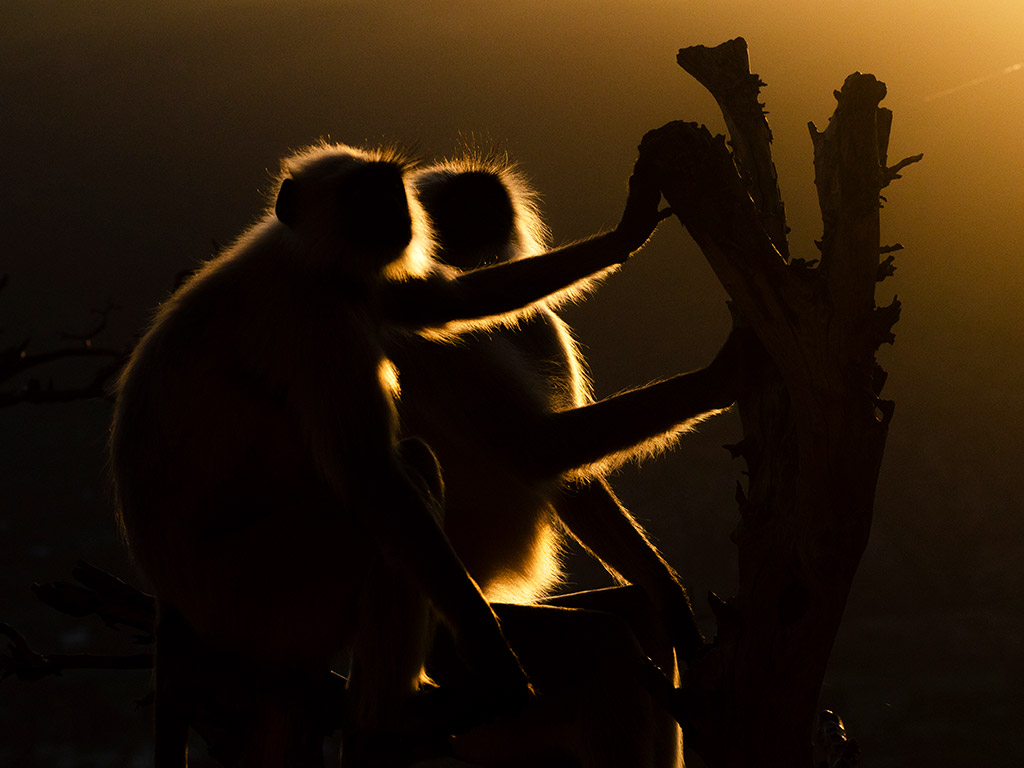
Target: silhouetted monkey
(258,477)
(510,415)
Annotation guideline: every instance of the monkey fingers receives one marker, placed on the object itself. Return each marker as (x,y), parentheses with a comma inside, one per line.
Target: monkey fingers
(641,215)
(738,359)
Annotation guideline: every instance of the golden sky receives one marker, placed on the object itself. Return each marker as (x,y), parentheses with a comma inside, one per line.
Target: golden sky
(132,134)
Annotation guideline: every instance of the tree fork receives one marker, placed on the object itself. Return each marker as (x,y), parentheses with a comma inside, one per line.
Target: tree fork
(814,426)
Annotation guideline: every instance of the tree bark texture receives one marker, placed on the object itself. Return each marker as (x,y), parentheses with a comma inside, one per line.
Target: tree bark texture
(813,421)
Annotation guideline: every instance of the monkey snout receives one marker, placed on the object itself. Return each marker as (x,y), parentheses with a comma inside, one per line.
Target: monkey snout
(383,231)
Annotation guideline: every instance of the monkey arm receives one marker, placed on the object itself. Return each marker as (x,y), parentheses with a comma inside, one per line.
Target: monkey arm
(627,423)
(399,520)
(598,521)
(397,513)
(634,421)
(501,288)
(412,539)
(504,288)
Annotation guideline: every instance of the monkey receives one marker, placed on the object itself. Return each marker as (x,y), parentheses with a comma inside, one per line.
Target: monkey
(258,476)
(489,401)
(510,413)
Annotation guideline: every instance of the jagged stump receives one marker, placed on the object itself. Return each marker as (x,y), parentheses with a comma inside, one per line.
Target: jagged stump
(813,421)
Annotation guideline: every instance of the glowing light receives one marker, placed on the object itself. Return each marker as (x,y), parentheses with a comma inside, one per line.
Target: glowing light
(976,81)
(387,374)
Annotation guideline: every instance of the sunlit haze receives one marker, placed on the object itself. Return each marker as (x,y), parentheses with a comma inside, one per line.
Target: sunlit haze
(134,136)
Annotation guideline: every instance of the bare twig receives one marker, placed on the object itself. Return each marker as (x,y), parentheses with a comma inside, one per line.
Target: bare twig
(16,361)
(101,325)
(35,393)
(115,601)
(893,172)
(19,660)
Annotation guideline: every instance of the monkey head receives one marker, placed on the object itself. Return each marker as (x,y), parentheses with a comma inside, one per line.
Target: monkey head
(472,214)
(482,210)
(350,205)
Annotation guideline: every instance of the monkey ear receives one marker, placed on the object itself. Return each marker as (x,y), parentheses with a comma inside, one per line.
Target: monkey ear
(287,203)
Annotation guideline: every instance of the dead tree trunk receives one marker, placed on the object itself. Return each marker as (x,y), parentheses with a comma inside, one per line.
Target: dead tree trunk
(814,426)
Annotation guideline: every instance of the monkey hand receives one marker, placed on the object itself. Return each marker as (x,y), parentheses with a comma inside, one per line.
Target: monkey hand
(641,216)
(736,364)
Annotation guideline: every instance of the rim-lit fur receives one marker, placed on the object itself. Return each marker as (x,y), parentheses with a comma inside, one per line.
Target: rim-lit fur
(531,235)
(206,455)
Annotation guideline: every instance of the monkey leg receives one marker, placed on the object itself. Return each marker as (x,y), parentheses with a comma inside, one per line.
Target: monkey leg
(395,630)
(418,570)
(412,541)
(598,520)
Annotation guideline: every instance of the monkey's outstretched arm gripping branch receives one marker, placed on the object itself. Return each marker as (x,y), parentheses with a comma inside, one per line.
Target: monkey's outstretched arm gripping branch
(505,288)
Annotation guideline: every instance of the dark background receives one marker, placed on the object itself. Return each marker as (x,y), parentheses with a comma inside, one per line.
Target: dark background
(133,135)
